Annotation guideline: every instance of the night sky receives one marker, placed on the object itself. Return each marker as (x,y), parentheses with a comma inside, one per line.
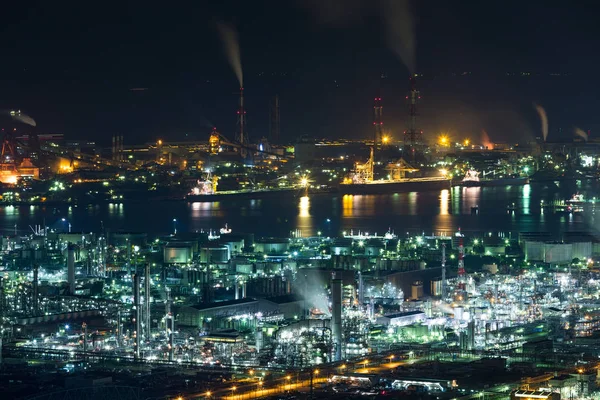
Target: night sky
(72,65)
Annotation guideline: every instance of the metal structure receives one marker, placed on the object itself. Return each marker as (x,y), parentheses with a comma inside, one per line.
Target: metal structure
(413,136)
(461,255)
(241,113)
(117,148)
(36,309)
(71,268)
(399,169)
(336,316)
(364,171)
(377,122)
(443,271)
(137,317)
(147,313)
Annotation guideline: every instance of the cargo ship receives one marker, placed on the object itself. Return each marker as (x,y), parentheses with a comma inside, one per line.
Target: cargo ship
(205,191)
(472,179)
(361,180)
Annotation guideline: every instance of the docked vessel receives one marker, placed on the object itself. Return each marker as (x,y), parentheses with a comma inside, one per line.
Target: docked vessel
(205,191)
(361,180)
(472,179)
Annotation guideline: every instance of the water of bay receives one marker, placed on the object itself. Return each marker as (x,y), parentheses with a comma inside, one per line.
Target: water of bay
(416,212)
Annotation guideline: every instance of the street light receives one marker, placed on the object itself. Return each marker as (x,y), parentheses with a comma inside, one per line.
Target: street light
(288,381)
(69,224)
(208,394)
(174,226)
(233,388)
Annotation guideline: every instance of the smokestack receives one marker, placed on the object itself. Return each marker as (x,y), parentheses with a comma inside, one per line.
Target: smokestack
(461,255)
(35,289)
(114,148)
(336,316)
(169,324)
(443,271)
(377,122)
(274,127)
(71,268)
(85,337)
(242,119)
(119,329)
(121,148)
(147,301)
(137,316)
(361,290)
(413,135)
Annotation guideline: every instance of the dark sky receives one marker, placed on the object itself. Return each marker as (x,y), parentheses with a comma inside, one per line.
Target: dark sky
(71,65)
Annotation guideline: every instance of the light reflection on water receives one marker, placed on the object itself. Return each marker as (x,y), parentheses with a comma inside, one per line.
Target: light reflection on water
(431,212)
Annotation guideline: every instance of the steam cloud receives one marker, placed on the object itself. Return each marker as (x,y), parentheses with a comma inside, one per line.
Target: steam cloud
(485,140)
(396,16)
(581,133)
(544,119)
(400,28)
(231,46)
(21,117)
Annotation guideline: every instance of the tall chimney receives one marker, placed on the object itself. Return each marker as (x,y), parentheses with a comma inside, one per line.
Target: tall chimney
(336,316)
(137,316)
(35,289)
(71,268)
(147,315)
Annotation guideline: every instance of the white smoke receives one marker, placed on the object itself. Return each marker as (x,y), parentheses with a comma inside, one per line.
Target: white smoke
(581,133)
(21,117)
(396,16)
(231,45)
(400,29)
(544,119)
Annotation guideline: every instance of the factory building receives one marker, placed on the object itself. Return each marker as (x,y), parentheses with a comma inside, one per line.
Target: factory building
(534,395)
(241,313)
(402,319)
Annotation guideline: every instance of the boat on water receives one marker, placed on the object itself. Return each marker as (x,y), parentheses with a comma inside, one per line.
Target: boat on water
(396,186)
(206,191)
(472,179)
(576,199)
(361,180)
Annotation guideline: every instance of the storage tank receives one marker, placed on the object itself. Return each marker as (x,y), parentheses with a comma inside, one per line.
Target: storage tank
(215,254)
(417,290)
(582,250)
(341,247)
(177,255)
(534,251)
(272,246)
(558,253)
(374,248)
(235,244)
(436,287)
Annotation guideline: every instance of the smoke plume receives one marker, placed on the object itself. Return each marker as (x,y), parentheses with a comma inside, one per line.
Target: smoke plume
(396,17)
(544,119)
(485,140)
(21,117)
(400,31)
(231,46)
(581,133)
